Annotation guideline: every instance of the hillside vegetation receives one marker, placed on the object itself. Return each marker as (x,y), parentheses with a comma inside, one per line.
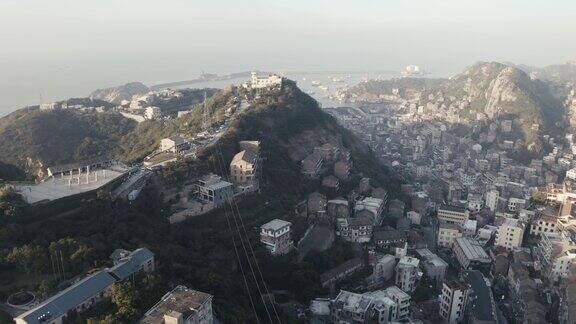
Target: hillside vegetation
(491,89)
(199,253)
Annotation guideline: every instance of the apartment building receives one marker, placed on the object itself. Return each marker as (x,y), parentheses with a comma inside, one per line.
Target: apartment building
(381,306)
(407,273)
(453,214)
(447,233)
(356,229)
(374,206)
(544,224)
(510,234)
(555,252)
(434,266)
(453,301)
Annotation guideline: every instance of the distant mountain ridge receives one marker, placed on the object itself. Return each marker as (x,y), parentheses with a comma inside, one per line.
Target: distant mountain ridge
(484,90)
(119,93)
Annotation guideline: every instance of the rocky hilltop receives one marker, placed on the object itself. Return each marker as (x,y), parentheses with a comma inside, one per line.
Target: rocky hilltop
(484,91)
(119,93)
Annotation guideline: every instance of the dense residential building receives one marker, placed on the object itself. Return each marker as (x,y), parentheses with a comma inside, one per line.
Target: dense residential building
(276,236)
(385,238)
(453,301)
(447,233)
(453,214)
(381,306)
(556,253)
(407,273)
(372,207)
(355,229)
(470,253)
(434,266)
(544,225)
(414,217)
(492,199)
(181,306)
(383,270)
(510,233)
(337,208)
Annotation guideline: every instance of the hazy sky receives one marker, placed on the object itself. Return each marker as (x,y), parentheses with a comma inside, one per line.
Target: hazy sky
(63,48)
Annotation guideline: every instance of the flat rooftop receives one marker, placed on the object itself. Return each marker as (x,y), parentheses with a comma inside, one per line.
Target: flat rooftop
(275,224)
(181,299)
(58,187)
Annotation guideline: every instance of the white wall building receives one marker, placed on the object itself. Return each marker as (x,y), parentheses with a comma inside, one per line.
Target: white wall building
(453,301)
(492,199)
(510,234)
(453,214)
(276,236)
(268,81)
(407,274)
(447,233)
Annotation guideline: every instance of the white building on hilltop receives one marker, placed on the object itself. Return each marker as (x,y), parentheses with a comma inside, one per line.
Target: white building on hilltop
(268,81)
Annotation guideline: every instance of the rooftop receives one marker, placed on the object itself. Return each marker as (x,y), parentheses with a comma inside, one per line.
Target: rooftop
(352,302)
(275,225)
(181,299)
(472,249)
(79,164)
(408,261)
(68,299)
(452,208)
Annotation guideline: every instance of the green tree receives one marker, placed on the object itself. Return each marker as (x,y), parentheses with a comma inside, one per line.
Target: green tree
(76,255)
(123,295)
(46,287)
(27,257)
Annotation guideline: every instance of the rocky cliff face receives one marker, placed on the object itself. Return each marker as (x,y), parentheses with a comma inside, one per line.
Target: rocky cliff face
(490,90)
(123,92)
